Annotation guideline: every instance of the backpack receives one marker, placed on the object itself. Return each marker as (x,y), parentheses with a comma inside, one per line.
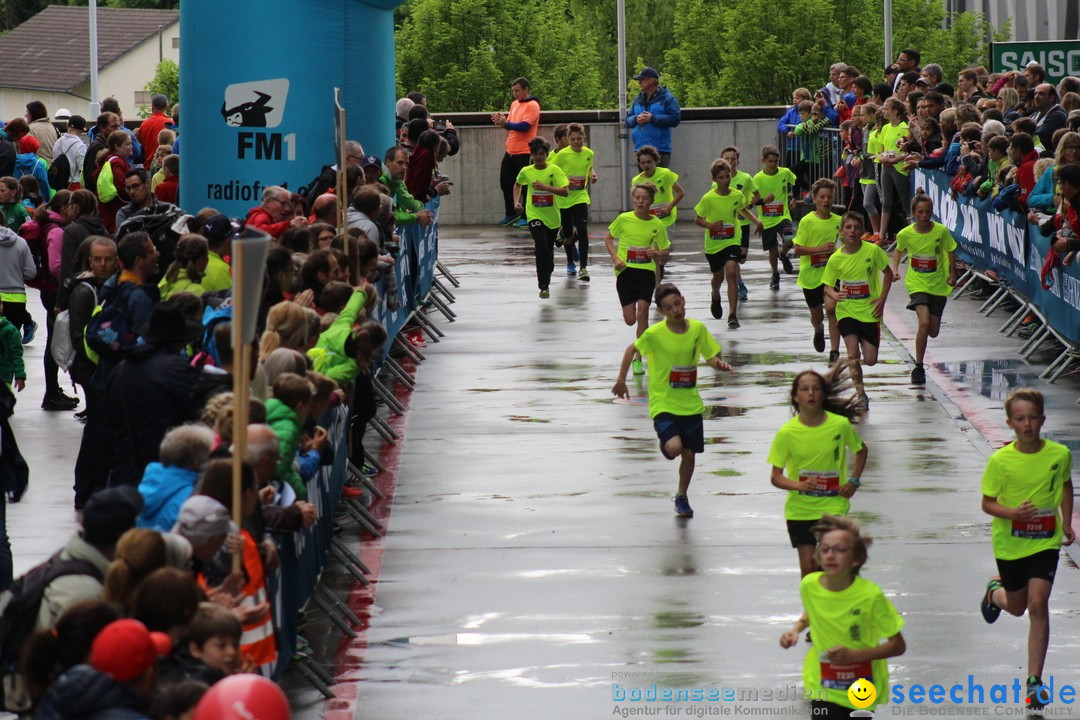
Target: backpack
(60,173)
(35,236)
(63,352)
(19,607)
(110,332)
(162,222)
(106,188)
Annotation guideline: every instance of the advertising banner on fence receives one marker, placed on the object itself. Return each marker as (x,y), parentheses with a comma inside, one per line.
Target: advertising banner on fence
(987,239)
(1058,57)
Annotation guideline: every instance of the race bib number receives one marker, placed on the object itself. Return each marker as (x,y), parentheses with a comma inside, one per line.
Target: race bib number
(1041,527)
(772,209)
(577,182)
(924,263)
(841,677)
(726,232)
(819,260)
(637,255)
(543,199)
(824,483)
(683,376)
(858,290)
(655,209)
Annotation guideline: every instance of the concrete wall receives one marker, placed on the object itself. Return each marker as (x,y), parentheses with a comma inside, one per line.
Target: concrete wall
(477,200)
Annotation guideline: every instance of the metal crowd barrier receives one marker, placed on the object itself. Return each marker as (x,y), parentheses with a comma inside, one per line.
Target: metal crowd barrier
(811,157)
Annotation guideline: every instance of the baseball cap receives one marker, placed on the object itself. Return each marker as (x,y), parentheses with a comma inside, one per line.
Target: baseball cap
(202,516)
(647,72)
(77,121)
(109,514)
(125,649)
(370,161)
(217,228)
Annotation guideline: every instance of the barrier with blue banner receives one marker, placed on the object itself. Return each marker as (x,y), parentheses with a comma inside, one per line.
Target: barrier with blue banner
(303,553)
(1005,242)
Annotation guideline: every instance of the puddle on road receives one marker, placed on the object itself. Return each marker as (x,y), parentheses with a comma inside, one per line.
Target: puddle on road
(527,418)
(722,411)
(677,619)
(726,472)
(674,655)
(990,378)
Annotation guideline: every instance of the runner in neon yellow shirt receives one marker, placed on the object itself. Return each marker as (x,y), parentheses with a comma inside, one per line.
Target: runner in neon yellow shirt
(1027,488)
(864,277)
(669,193)
(894,178)
(637,241)
(542,181)
(866,161)
(576,160)
(718,212)
(809,448)
(674,348)
(774,184)
(742,182)
(856,629)
(815,242)
(930,277)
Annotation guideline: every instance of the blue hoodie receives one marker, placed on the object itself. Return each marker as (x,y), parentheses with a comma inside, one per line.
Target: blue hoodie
(31,164)
(164,489)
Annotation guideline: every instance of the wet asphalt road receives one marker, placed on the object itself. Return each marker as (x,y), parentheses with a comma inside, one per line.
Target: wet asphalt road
(533,554)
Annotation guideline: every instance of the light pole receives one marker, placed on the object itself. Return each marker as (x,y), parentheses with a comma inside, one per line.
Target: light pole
(624,134)
(888,33)
(95,101)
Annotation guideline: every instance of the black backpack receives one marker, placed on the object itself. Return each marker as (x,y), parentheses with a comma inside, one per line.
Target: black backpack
(19,607)
(157,222)
(60,172)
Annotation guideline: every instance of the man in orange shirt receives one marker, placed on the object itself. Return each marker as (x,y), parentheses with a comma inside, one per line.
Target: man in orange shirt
(152,126)
(521,125)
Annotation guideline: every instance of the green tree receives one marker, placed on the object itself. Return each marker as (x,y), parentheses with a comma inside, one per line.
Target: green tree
(464,54)
(166,81)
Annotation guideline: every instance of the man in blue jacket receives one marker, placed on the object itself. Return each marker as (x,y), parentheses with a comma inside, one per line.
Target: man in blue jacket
(654,112)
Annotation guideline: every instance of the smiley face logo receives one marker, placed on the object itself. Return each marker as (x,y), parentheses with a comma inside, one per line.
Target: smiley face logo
(862,693)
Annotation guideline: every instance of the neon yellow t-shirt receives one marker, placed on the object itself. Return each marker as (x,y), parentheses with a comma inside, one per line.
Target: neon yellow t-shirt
(815,232)
(873,147)
(713,207)
(779,185)
(859,616)
(1012,477)
(890,134)
(635,236)
(673,364)
(743,183)
(928,259)
(664,180)
(218,274)
(578,168)
(814,456)
(181,284)
(540,204)
(859,274)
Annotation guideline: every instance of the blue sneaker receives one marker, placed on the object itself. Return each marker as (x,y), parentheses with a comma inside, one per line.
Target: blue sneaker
(990,611)
(507,221)
(571,268)
(682,507)
(742,290)
(28,332)
(521,222)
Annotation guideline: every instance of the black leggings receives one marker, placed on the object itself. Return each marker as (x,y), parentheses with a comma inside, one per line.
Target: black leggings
(361,411)
(511,166)
(52,384)
(16,314)
(576,218)
(544,241)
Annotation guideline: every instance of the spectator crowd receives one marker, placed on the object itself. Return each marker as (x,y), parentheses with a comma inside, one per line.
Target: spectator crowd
(141,611)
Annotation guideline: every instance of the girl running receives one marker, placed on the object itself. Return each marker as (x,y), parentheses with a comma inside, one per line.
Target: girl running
(895,186)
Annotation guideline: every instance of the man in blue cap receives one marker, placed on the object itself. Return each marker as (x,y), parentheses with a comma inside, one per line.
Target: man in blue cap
(654,112)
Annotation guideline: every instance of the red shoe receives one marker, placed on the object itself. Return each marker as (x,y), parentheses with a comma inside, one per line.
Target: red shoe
(351,493)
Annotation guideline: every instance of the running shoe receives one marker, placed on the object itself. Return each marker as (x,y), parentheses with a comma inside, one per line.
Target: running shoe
(59,402)
(507,221)
(577,255)
(733,323)
(638,367)
(571,268)
(351,493)
(864,402)
(544,294)
(774,283)
(918,375)
(789,268)
(28,331)
(559,241)
(819,342)
(717,308)
(583,275)
(369,470)
(990,611)
(834,355)
(742,290)
(1034,685)
(682,507)
(521,222)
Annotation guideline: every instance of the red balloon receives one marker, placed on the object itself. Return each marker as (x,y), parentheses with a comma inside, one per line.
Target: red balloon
(243,697)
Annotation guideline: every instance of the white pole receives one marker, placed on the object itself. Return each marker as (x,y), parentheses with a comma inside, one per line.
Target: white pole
(888,33)
(95,101)
(624,134)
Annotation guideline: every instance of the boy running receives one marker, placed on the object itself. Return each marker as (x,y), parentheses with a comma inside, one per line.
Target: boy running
(1027,488)
(673,348)
(742,182)
(718,212)
(576,161)
(642,243)
(850,616)
(543,182)
(815,243)
(776,183)
(862,269)
(931,274)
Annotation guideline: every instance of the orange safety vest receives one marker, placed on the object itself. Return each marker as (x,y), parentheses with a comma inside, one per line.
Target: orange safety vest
(258,637)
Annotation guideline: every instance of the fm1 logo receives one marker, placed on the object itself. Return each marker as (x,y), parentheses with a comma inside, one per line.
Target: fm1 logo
(259,104)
